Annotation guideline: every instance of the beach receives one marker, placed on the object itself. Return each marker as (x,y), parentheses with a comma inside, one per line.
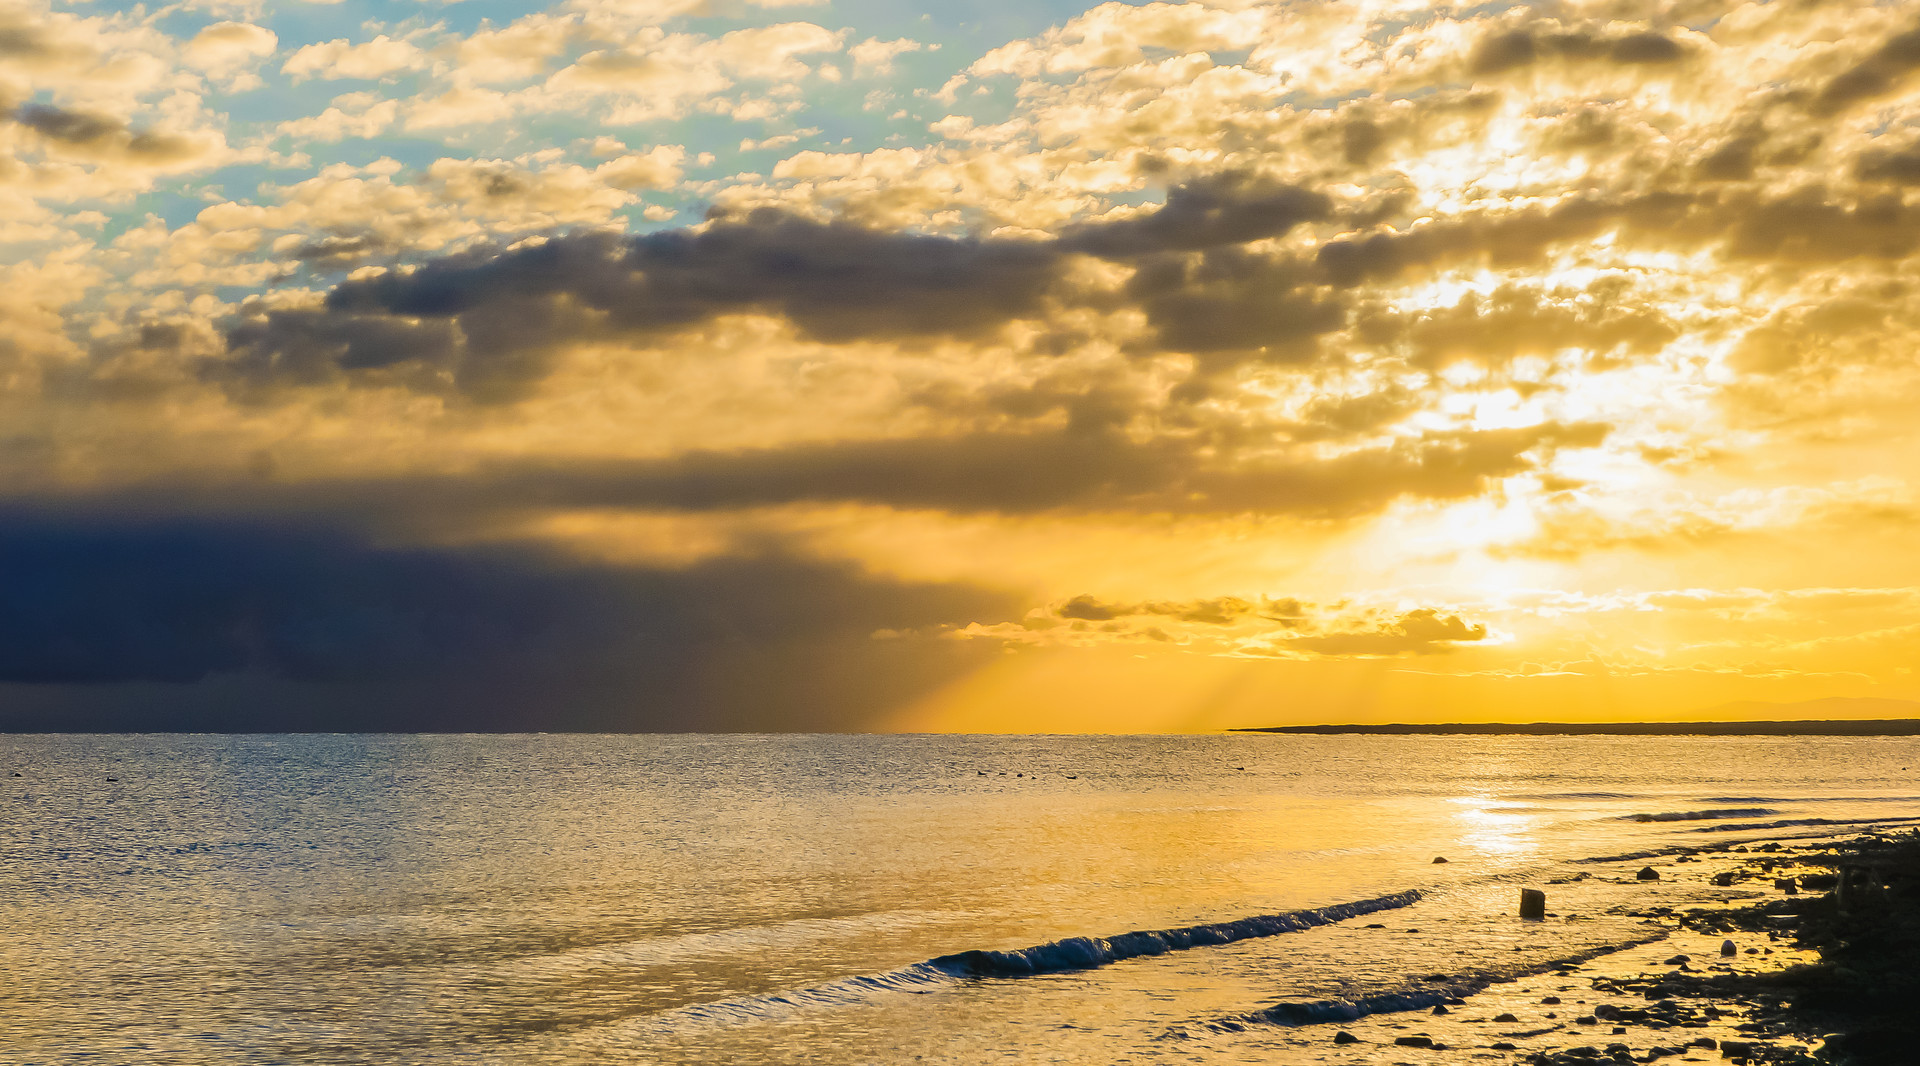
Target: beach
(766,900)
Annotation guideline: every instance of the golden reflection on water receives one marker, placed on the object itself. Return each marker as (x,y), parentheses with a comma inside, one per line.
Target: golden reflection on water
(227,900)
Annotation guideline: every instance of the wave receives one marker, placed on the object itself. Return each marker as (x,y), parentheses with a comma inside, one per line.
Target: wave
(1072,953)
(1082,952)
(1574,796)
(1696,816)
(1790,822)
(1432,993)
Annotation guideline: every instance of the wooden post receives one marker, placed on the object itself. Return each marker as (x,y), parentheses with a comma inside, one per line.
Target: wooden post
(1533,905)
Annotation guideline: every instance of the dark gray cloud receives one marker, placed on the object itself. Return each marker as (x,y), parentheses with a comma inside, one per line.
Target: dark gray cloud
(1102,470)
(487,323)
(1515,49)
(101,135)
(1229,300)
(1203,213)
(490,324)
(514,637)
(1095,470)
(1217,611)
(1899,166)
(1880,73)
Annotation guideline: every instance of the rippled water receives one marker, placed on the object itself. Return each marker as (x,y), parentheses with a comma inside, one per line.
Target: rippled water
(572,899)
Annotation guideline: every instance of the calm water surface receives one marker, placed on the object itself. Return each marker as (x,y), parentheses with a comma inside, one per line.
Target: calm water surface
(574,899)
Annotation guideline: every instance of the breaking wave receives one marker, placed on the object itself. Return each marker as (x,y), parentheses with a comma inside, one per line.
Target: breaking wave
(1436,989)
(1696,816)
(1072,953)
(1084,952)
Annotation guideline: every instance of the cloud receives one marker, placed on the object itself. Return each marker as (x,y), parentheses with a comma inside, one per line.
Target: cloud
(337,58)
(490,318)
(1075,471)
(1258,626)
(225,46)
(874,57)
(96,608)
(1424,631)
(1514,49)
(1874,76)
(102,137)
(1207,212)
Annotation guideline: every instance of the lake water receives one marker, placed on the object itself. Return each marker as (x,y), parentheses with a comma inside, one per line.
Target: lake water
(778,899)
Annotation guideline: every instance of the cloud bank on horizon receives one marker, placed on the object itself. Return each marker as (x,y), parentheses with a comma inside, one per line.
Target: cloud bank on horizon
(795,364)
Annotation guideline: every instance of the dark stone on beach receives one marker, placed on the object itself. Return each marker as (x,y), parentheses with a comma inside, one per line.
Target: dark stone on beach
(1438,859)
(1787,885)
(1724,879)
(1619,1030)
(1728,949)
(1679,960)
(1586,1019)
(1735,1049)
(1505,1018)
(1706,1042)
(1504,1046)
(1344,1037)
(1533,905)
(1554,1000)
(1441,1010)
(1413,1041)
(1648,873)
(1376,925)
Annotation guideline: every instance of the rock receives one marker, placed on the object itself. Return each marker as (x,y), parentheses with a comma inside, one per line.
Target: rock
(1533,905)
(1344,1037)
(1506,1018)
(1438,859)
(1728,949)
(1730,1049)
(1413,1041)
(1504,1046)
(1551,1000)
(1441,1010)
(1586,1019)
(1376,925)
(1787,885)
(1706,1042)
(1723,879)
(1679,960)
(1648,873)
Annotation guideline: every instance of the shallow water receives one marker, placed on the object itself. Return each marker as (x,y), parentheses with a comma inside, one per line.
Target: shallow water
(570,899)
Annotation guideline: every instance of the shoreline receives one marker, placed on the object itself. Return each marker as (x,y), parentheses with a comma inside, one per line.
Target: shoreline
(1811,978)
(1863,727)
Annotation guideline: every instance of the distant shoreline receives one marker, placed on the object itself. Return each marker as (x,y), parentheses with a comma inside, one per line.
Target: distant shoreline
(1879,727)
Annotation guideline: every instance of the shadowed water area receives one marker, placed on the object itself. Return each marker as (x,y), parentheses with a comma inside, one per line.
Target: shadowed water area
(572,899)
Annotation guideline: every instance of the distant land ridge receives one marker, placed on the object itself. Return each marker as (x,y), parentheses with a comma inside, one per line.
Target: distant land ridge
(1856,727)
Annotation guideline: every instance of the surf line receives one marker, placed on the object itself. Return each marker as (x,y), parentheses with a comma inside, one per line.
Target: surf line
(1457,987)
(1086,952)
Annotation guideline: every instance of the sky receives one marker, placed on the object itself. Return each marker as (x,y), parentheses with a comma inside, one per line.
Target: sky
(987,366)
